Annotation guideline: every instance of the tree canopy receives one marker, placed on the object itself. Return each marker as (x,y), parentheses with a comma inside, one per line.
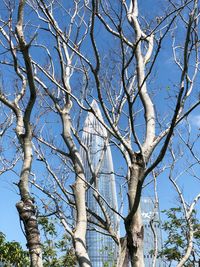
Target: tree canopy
(139,62)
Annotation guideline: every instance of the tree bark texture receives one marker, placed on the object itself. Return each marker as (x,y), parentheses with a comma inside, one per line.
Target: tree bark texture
(26,208)
(27,213)
(133,222)
(81,222)
(123,259)
(135,236)
(79,189)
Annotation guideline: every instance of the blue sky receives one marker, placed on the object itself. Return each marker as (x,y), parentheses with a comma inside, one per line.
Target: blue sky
(9,223)
(162,82)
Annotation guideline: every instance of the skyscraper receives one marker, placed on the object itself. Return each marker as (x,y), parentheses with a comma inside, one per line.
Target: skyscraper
(151,220)
(101,247)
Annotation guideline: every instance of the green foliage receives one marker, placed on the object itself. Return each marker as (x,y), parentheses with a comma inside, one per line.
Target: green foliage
(47,226)
(57,251)
(109,253)
(12,254)
(177,230)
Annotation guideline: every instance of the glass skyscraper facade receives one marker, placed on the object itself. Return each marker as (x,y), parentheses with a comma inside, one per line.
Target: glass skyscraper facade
(101,247)
(151,218)
(97,159)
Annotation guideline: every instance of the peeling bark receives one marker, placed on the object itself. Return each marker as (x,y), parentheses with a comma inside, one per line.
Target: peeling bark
(26,208)
(27,212)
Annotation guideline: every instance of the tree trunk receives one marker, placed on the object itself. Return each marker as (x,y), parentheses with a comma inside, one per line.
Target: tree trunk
(81,222)
(79,189)
(27,213)
(135,236)
(189,247)
(26,208)
(133,222)
(123,259)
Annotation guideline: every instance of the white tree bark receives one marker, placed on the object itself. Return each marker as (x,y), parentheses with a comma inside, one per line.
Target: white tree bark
(142,46)
(79,189)
(26,208)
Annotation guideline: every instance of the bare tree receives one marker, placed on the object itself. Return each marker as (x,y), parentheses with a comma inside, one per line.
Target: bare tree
(187,147)
(105,51)
(134,86)
(26,207)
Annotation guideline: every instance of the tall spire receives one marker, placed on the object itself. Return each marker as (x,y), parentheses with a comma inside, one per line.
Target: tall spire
(101,247)
(92,125)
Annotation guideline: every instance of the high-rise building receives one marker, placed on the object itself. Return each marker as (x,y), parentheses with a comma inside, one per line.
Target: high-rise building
(97,156)
(101,247)
(152,231)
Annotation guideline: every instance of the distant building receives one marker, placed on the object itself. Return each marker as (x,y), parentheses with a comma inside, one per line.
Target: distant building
(151,220)
(102,249)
